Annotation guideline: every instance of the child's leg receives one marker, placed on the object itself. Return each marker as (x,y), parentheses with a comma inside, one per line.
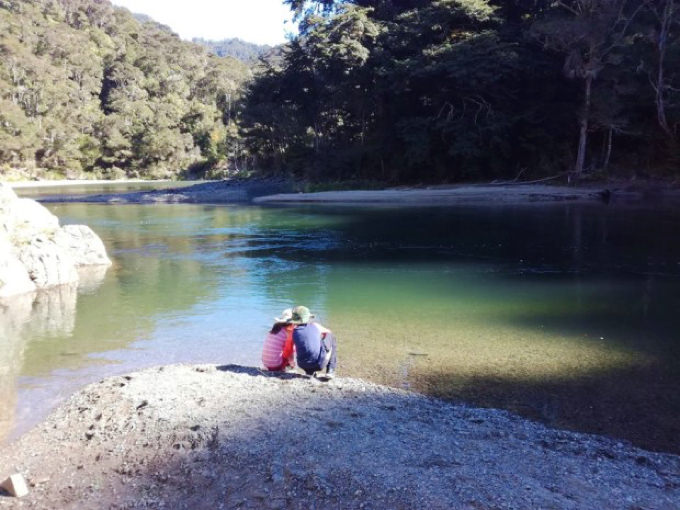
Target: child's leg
(332,345)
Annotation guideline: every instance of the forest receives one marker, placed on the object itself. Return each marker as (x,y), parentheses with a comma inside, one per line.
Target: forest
(391,91)
(86,90)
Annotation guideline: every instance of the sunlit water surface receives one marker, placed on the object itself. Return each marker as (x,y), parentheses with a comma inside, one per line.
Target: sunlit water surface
(563,313)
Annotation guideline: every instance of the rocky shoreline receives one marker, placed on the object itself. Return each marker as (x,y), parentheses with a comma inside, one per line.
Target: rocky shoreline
(231,191)
(235,437)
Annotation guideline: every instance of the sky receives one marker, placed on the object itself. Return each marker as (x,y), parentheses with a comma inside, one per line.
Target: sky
(257,21)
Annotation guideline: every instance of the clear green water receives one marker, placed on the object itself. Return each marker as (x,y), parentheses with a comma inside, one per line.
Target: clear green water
(563,313)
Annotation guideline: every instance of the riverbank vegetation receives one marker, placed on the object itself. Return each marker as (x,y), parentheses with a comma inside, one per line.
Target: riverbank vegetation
(390,91)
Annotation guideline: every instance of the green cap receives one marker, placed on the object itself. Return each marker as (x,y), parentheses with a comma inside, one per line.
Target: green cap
(301,315)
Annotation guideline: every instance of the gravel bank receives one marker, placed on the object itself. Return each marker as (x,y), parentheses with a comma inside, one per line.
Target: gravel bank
(232,191)
(233,437)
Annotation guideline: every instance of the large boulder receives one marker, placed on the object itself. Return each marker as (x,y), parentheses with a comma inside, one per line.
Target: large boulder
(35,252)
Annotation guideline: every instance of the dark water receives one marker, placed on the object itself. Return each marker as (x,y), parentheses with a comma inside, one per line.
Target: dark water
(563,313)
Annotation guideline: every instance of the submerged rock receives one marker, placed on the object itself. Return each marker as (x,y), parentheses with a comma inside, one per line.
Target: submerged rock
(36,252)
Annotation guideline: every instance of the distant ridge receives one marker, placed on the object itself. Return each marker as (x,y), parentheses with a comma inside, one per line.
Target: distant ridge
(145,18)
(235,47)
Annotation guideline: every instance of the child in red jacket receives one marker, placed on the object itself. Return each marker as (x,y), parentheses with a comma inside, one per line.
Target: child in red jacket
(278,352)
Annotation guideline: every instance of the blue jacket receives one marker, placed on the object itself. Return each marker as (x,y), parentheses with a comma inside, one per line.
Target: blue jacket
(309,349)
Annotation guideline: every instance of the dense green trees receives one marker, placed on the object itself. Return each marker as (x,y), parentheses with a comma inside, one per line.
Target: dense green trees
(87,89)
(385,90)
(423,90)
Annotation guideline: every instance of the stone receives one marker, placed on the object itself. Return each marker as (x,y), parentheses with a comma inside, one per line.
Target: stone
(7,198)
(47,263)
(14,278)
(15,485)
(84,246)
(25,218)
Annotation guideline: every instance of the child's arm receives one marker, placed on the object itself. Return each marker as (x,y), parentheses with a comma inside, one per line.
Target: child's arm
(324,331)
(288,353)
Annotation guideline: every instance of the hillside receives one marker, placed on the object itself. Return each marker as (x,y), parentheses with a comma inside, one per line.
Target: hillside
(86,90)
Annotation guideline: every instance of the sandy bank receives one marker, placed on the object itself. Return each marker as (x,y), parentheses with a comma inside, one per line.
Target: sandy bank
(228,437)
(480,194)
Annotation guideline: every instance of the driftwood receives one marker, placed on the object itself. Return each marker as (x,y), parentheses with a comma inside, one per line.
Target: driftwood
(535,181)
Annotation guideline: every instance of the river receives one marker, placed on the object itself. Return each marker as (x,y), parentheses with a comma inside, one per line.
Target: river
(568,314)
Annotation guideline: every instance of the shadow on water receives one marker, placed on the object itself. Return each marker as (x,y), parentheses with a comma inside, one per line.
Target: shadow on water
(584,356)
(639,405)
(636,399)
(601,282)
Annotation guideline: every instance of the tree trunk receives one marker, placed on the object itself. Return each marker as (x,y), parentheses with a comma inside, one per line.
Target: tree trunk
(317,138)
(666,19)
(608,155)
(583,132)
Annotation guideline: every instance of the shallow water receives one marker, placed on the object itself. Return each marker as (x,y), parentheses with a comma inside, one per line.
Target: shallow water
(563,313)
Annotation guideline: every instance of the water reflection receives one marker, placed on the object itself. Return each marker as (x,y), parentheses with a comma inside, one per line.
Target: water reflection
(14,316)
(48,313)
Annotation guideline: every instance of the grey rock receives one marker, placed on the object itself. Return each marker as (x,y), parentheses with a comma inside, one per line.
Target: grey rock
(47,263)
(36,253)
(83,245)
(14,278)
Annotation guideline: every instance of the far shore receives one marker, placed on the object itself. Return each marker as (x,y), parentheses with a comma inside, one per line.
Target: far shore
(282,191)
(207,436)
(76,182)
(448,195)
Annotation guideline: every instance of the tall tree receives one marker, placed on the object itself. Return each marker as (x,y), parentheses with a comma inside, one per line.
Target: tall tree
(589,32)
(664,77)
